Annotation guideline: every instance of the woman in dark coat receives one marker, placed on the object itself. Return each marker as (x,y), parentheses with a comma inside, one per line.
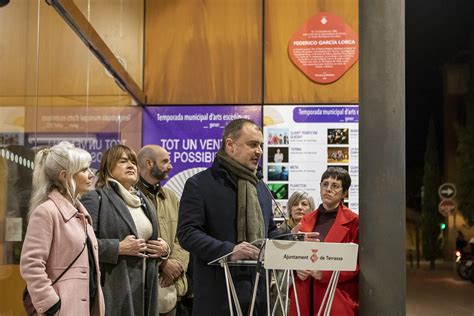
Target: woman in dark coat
(126,228)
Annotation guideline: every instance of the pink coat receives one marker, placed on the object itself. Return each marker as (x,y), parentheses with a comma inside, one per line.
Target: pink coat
(54,237)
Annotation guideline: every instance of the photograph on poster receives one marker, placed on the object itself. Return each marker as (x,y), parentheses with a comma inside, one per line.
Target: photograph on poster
(279,190)
(279,210)
(338,136)
(278,136)
(338,154)
(277,154)
(277,173)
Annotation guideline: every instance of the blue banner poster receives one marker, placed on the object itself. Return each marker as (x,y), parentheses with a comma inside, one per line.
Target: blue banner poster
(191,134)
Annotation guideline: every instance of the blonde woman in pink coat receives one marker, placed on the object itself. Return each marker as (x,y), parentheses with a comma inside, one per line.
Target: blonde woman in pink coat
(58,227)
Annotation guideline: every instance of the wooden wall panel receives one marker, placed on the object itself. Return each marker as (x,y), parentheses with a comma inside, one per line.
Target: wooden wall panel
(203,51)
(67,66)
(284,82)
(14,24)
(61,70)
(120,23)
(63,58)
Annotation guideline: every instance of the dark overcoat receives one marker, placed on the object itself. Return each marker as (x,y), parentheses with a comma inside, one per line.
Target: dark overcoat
(125,293)
(207,229)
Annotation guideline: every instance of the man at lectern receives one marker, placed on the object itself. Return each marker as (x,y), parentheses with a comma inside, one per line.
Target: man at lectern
(223,209)
(335,223)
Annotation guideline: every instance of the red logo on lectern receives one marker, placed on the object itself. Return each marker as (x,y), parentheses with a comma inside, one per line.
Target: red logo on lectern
(314,256)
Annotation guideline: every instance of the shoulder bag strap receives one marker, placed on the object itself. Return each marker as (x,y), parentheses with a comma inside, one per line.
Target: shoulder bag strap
(82,250)
(70,265)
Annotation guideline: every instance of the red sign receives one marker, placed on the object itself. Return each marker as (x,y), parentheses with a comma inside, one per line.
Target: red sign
(324,48)
(447,207)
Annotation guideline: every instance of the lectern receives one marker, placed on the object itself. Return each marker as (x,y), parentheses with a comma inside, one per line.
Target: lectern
(308,255)
(225,262)
(289,255)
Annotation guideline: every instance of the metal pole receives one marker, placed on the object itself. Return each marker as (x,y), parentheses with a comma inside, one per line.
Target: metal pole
(382,172)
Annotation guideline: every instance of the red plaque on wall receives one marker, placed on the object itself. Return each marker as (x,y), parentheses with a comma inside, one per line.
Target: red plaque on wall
(324,48)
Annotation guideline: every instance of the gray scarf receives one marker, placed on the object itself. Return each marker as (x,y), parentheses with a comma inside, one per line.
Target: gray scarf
(250,224)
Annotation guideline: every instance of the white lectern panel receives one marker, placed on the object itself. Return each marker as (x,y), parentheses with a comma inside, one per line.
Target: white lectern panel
(310,255)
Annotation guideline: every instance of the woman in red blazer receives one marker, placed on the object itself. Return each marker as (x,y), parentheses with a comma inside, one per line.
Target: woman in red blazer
(335,223)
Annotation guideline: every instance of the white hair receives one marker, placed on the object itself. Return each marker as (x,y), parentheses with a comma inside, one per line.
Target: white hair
(49,163)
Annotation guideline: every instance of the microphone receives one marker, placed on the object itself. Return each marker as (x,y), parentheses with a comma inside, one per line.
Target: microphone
(297,236)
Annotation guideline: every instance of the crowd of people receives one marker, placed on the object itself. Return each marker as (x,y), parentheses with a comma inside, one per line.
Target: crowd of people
(130,247)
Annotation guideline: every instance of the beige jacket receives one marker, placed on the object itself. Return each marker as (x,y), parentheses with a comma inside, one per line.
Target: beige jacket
(167,206)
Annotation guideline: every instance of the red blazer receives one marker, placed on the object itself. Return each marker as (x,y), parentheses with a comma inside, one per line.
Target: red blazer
(345,229)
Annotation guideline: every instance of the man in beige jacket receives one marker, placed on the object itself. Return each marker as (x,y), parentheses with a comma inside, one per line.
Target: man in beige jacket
(154,165)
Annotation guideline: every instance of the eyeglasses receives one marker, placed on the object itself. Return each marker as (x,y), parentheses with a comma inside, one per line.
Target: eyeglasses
(330,186)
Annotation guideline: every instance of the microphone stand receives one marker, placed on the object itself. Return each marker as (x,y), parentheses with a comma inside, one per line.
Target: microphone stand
(257,278)
(286,233)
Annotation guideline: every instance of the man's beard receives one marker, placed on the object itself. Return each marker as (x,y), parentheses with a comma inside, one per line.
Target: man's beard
(157,174)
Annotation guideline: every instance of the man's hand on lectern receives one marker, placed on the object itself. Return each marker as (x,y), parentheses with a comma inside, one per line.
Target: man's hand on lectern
(244,250)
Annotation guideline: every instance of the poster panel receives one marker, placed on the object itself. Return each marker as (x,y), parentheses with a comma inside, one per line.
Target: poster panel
(95,143)
(191,134)
(302,142)
(94,129)
(12,125)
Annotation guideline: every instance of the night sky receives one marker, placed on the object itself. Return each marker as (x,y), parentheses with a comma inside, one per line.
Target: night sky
(436,30)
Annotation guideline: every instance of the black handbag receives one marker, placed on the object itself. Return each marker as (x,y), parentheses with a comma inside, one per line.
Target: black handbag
(27,302)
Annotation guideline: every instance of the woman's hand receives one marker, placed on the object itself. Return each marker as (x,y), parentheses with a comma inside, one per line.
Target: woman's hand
(313,236)
(303,274)
(316,275)
(131,246)
(308,236)
(157,248)
(296,229)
